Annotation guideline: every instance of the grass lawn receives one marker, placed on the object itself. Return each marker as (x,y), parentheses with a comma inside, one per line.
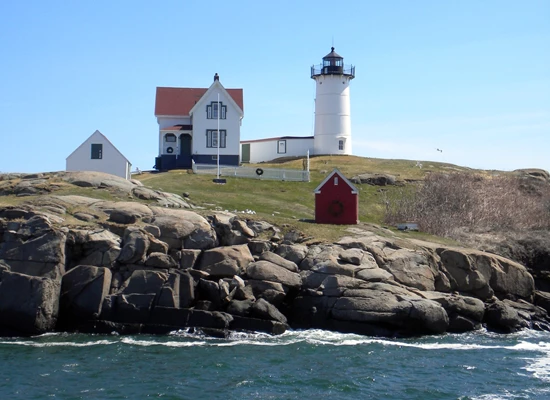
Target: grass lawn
(292,204)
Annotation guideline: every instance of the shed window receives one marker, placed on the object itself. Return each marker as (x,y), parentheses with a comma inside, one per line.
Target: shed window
(97,151)
(212,138)
(281,147)
(170,137)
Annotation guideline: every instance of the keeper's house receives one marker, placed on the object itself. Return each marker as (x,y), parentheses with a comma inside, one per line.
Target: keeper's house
(188,121)
(336,200)
(97,153)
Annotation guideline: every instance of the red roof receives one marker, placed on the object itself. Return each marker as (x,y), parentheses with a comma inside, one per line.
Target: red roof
(178,128)
(179,101)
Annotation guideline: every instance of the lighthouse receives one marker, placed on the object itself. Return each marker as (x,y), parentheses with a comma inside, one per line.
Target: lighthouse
(332,134)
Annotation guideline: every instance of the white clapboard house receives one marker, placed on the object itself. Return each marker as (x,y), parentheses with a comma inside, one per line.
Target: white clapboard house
(189,120)
(97,153)
(332,132)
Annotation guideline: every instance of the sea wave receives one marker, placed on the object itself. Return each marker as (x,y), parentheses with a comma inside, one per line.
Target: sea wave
(146,343)
(58,344)
(540,367)
(526,342)
(527,393)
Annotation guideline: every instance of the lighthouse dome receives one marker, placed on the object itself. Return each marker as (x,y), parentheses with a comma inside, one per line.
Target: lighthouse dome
(333,64)
(332,54)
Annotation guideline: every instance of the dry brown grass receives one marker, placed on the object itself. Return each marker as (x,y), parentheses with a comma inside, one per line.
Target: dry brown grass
(446,203)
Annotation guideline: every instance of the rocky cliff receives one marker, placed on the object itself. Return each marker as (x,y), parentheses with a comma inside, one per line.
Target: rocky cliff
(149,263)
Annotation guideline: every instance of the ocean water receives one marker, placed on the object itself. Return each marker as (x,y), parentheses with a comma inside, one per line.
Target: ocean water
(311,364)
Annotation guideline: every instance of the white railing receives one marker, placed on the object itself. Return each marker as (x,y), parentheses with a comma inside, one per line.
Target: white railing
(274,174)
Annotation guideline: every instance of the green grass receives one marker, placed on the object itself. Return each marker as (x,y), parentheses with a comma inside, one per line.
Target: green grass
(290,205)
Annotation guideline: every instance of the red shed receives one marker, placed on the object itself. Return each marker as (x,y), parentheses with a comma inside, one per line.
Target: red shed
(336,200)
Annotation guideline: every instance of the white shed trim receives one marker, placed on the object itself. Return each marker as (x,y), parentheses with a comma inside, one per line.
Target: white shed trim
(329,176)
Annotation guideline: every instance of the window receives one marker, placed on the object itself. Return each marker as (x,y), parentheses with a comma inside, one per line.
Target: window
(170,137)
(281,146)
(340,145)
(97,151)
(212,138)
(335,181)
(212,110)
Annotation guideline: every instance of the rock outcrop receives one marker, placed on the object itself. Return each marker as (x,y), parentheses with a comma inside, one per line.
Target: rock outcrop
(136,267)
(374,179)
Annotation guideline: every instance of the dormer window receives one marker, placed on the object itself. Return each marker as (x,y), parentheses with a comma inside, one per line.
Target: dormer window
(212,110)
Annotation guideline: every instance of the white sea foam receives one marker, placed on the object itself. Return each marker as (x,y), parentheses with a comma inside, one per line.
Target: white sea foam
(244,383)
(49,334)
(525,393)
(252,343)
(57,344)
(500,396)
(184,338)
(147,343)
(539,367)
(321,337)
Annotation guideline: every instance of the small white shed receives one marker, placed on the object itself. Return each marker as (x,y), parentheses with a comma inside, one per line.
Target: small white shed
(97,153)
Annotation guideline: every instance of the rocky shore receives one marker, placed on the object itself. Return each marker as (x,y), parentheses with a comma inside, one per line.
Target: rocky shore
(150,264)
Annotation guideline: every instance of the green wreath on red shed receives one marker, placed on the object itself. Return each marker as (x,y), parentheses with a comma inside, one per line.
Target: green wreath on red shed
(336,208)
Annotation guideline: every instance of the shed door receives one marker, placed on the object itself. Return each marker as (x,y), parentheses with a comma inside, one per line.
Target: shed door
(245,151)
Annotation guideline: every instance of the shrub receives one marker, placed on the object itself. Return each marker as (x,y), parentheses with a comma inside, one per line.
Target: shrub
(446,203)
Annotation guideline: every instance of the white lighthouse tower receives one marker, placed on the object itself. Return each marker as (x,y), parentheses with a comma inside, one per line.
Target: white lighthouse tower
(332,133)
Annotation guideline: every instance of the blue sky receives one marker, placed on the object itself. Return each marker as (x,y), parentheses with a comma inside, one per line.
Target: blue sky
(469,77)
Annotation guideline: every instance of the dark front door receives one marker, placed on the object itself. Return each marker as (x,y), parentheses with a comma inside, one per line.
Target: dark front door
(184,157)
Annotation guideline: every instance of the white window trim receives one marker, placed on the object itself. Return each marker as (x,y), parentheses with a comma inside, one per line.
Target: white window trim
(279,142)
(212,110)
(211,138)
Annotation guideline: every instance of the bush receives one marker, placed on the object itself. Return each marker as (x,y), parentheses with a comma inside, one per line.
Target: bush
(446,203)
